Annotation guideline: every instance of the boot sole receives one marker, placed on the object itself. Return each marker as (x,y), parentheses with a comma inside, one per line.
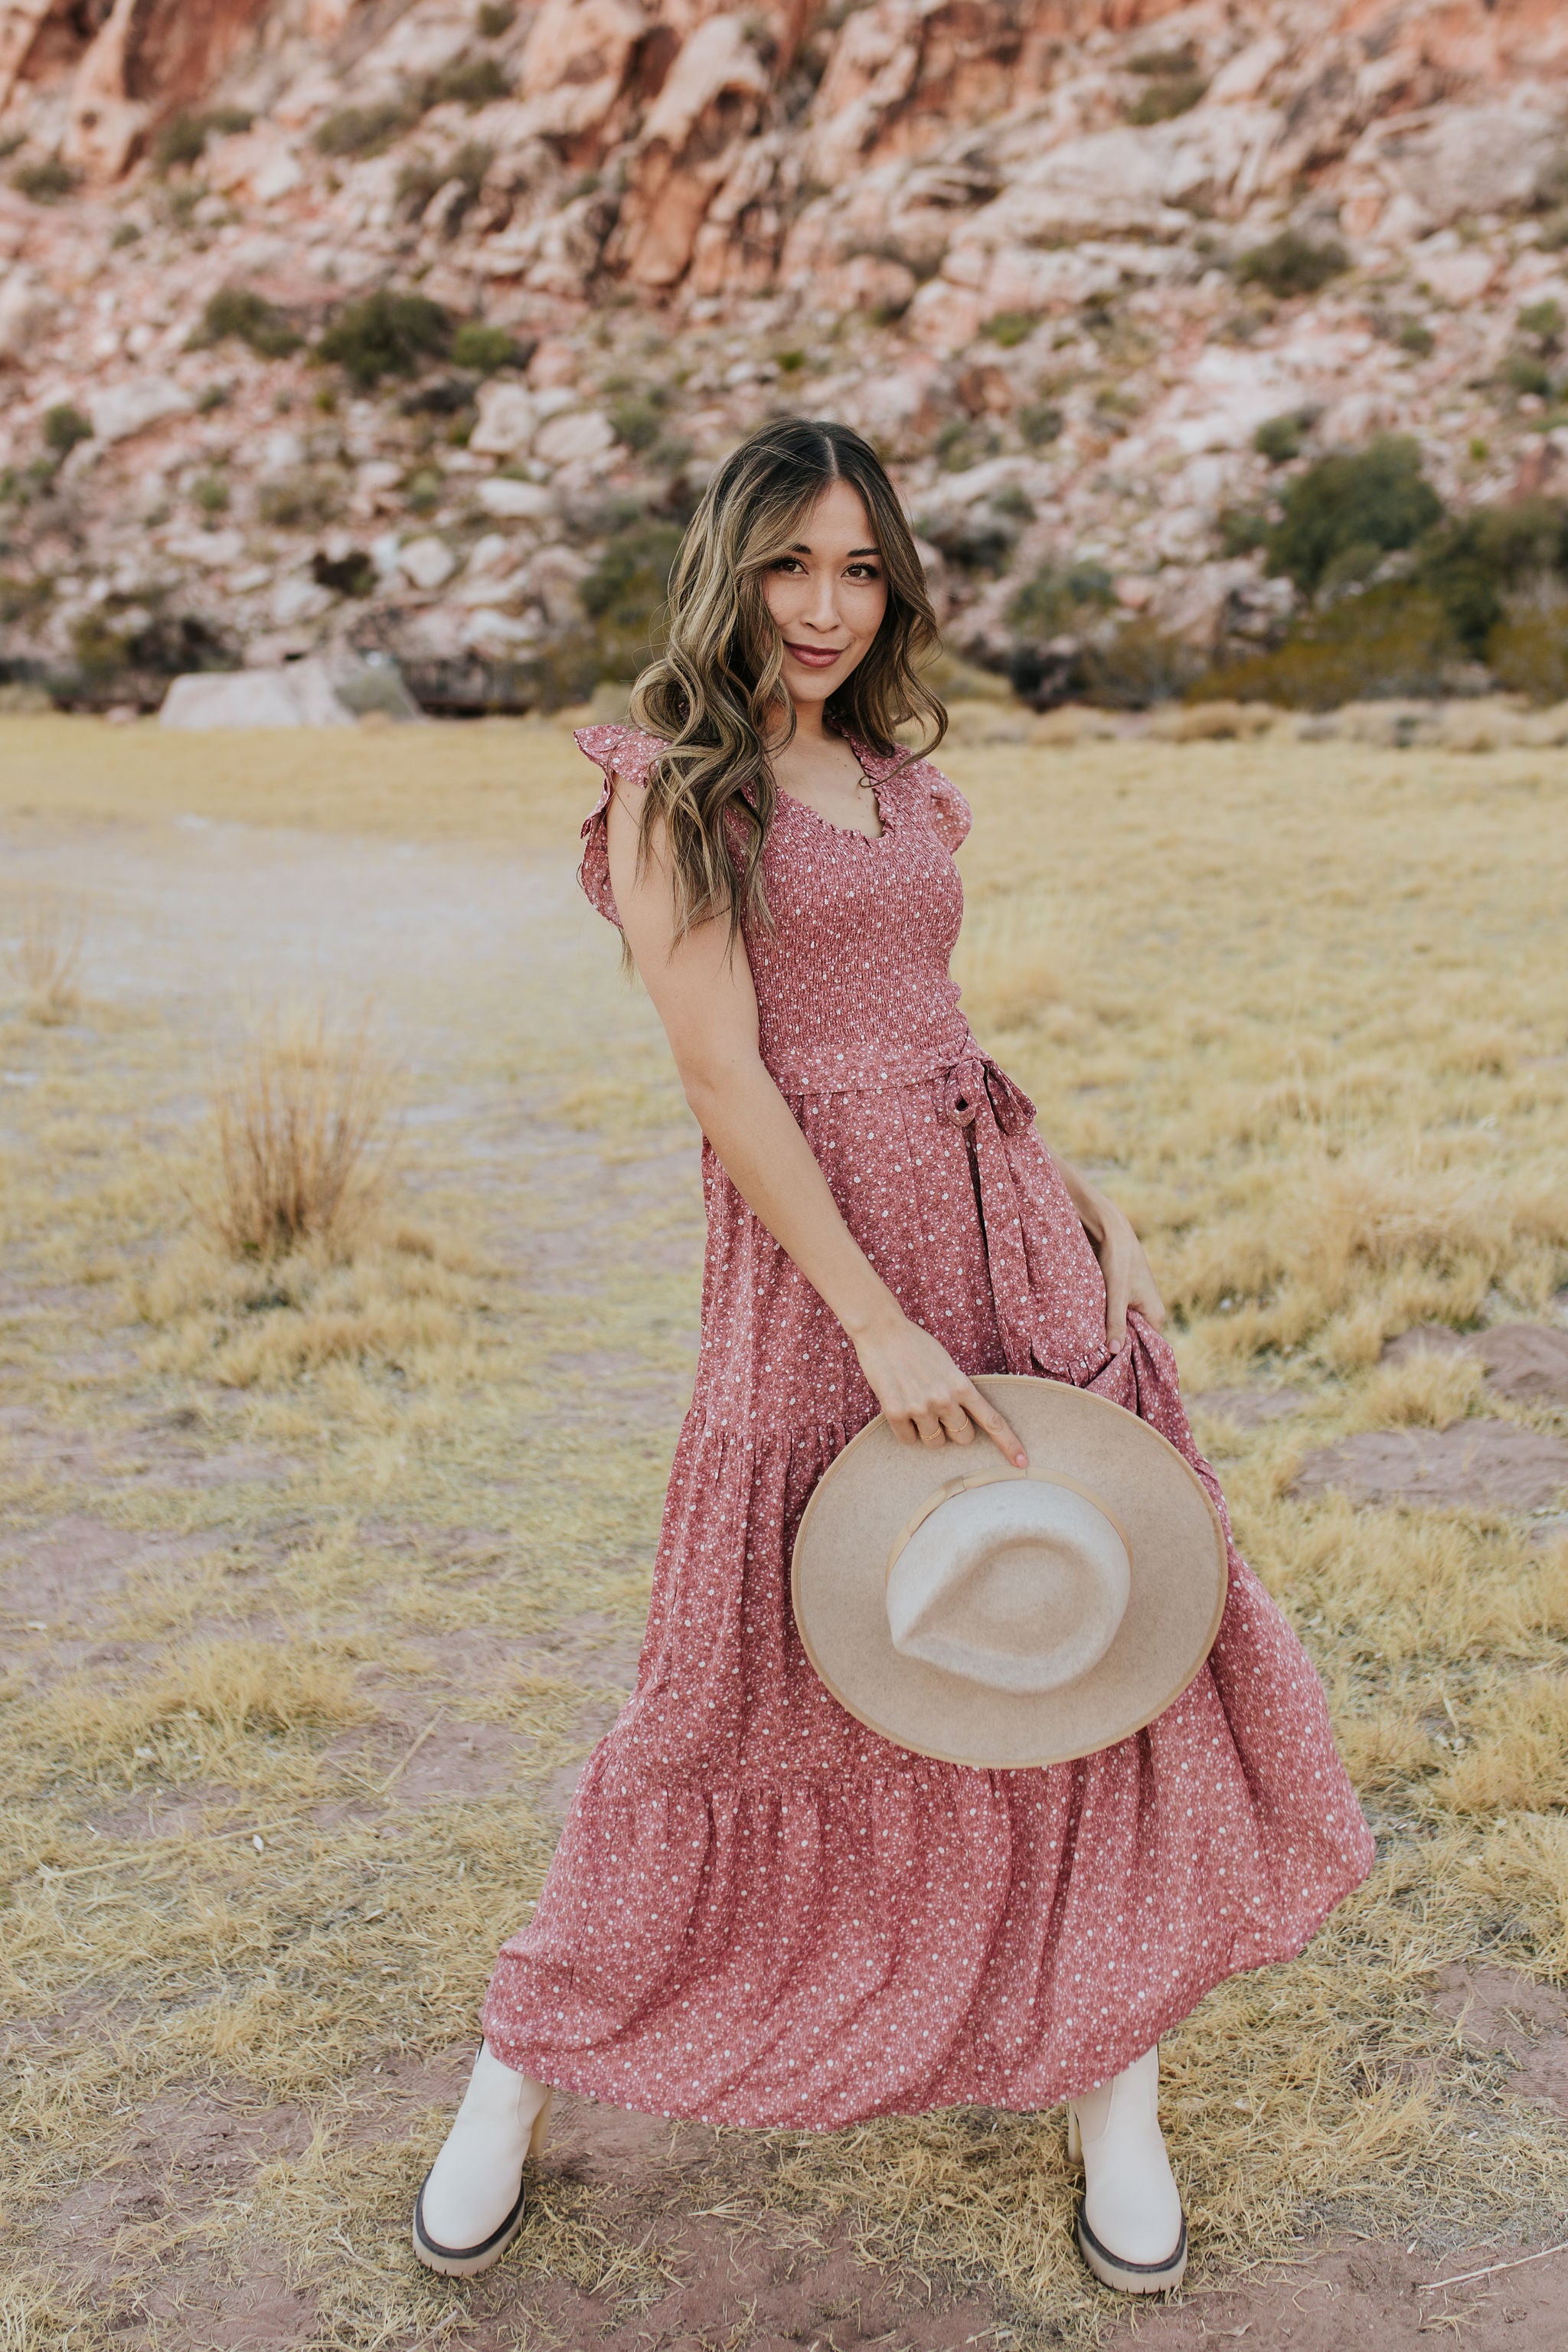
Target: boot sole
(466,2262)
(1131,2278)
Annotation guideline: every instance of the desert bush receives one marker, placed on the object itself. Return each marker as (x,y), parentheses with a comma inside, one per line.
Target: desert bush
(365,130)
(964,441)
(1166,95)
(468,81)
(181,142)
(210,492)
(1390,640)
(301,1126)
(1010,328)
(385,334)
(24,600)
(1040,423)
(64,427)
(250,318)
(352,574)
(1527,653)
(1281,438)
(977,539)
(46,955)
(624,592)
(1059,597)
(1346,512)
(48,182)
(1476,563)
(640,419)
(1290,264)
(494,18)
(1136,667)
(304,500)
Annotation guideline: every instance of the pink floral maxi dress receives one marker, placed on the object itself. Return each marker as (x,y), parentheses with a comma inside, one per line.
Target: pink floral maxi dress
(761,1913)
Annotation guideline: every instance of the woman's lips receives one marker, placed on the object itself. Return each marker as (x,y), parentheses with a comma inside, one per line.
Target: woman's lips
(813,657)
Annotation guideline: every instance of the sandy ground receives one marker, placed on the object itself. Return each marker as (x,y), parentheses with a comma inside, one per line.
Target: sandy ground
(491,988)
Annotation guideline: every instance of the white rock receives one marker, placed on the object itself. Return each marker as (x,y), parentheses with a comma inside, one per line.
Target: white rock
(298,598)
(376,474)
(488,628)
(1242,76)
(508,416)
(426,562)
(300,695)
(1451,160)
(526,501)
(1456,277)
(282,449)
(575,438)
(383,552)
(124,410)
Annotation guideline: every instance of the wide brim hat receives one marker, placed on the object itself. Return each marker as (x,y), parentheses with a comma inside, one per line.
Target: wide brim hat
(985,1615)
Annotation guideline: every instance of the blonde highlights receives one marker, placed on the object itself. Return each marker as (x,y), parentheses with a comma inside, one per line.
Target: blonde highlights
(714,693)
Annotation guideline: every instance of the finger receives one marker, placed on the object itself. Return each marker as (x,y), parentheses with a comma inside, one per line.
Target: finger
(931,1430)
(903,1428)
(956,1423)
(1151,1306)
(1115,1314)
(997,1428)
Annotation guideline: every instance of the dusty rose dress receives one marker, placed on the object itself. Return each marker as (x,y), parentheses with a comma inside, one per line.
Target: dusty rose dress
(761,1913)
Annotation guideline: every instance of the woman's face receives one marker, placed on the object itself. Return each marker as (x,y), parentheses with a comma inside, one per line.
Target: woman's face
(827,595)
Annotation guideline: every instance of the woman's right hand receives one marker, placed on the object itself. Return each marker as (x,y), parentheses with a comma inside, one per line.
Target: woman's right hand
(925,1399)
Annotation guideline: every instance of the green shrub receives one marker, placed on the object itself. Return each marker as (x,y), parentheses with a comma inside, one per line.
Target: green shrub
(365,130)
(977,539)
(964,442)
(49,182)
(181,142)
(494,18)
(1040,423)
(1166,98)
(1281,438)
(791,362)
(1013,500)
(1523,373)
(424,489)
(123,233)
(466,82)
(1136,667)
(64,426)
(1473,563)
(1241,529)
(24,600)
(1059,597)
(625,591)
(1010,328)
(250,317)
(210,492)
(211,396)
(1389,640)
(1352,509)
(1291,264)
(352,574)
(1416,338)
(385,334)
(483,349)
(1543,321)
(1527,653)
(304,500)
(639,420)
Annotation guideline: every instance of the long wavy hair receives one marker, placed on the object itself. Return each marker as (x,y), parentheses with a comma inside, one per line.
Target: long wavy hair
(714,694)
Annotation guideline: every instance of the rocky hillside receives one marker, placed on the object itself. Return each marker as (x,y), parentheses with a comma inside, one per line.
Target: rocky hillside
(414,325)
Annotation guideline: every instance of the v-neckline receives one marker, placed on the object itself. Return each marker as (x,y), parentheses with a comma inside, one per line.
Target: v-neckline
(850,832)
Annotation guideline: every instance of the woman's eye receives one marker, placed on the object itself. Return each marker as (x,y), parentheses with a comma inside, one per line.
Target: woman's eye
(864,571)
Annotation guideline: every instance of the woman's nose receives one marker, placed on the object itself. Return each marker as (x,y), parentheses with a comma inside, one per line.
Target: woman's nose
(822,604)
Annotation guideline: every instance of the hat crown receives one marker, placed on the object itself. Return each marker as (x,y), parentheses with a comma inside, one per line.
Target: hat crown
(1016,1583)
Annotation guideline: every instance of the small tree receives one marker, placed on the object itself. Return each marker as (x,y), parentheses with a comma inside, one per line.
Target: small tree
(1346,512)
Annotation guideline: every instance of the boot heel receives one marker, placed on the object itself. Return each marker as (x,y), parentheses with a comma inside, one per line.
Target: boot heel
(1075,2137)
(541,2131)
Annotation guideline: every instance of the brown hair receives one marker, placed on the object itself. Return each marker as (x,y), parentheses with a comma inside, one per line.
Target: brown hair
(713,693)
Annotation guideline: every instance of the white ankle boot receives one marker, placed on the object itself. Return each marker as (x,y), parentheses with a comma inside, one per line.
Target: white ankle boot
(1131,2228)
(470,2207)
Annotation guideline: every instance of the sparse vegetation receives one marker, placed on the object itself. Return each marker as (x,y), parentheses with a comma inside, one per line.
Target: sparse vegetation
(352,574)
(48,182)
(1392,640)
(484,348)
(1010,328)
(65,428)
(250,318)
(181,142)
(1040,422)
(1281,438)
(385,334)
(493,18)
(1059,597)
(356,130)
(1349,510)
(1291,264)
(44,956)
(470,81)
(306,497)
(300,1138)
(623,593)
(1165,96)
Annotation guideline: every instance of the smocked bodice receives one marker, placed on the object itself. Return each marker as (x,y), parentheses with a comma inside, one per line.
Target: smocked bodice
(851,973)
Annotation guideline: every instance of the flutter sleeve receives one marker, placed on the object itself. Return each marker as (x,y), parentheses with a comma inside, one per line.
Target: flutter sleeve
(626,754)
(950,811)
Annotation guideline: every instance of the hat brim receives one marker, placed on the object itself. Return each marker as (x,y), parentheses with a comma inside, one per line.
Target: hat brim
(1177,1548)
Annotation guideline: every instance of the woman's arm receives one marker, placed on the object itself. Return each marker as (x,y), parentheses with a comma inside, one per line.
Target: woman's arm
(1129,1282)
(701,990)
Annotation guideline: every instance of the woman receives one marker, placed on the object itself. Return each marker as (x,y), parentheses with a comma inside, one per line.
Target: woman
(760,1913)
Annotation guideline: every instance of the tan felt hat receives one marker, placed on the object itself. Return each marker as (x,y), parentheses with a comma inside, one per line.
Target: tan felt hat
(1011,1618)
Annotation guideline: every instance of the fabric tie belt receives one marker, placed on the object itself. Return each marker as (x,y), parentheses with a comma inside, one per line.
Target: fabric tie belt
(976,1094)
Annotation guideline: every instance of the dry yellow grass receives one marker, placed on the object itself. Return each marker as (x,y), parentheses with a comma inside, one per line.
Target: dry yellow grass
(1299,1005)
(46,955)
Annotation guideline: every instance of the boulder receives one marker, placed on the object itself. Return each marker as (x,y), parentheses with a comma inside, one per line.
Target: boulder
(578,56)
(516,501)
(575,438)
(508,416)
(300,694)
(1450,161)
(27,308)
(124,410)
(427,562)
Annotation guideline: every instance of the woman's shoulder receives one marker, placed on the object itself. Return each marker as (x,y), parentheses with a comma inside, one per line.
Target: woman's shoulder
(623,752)
(924,788)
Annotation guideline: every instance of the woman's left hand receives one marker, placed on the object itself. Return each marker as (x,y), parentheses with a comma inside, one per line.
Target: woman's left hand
(1129,1280)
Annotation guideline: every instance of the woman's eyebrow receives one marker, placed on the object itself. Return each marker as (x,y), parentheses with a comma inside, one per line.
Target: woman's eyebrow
(802,547)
